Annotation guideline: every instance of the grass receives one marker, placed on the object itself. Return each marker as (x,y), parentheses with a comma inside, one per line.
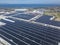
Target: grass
(56,14)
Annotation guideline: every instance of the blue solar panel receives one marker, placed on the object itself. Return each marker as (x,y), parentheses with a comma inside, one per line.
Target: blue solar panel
(24,33)
(46,19)
(11,14)
(24,16)
(20,11)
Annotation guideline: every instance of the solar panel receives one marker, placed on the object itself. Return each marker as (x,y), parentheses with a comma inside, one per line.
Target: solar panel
(11,14)
(20,11)
(46,19)
(25,16)
(24,33)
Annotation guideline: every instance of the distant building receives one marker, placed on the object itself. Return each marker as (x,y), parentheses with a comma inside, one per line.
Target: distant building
(21,9)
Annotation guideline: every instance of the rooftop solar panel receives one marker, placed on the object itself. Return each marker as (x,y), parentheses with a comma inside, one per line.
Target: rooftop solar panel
(24,33)
(20,11)
(11,14)
(25,16)
(46,19)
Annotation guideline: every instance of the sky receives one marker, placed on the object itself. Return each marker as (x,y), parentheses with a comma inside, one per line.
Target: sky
(29,1)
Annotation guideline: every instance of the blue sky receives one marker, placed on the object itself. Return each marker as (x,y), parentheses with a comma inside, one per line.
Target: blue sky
(30,1)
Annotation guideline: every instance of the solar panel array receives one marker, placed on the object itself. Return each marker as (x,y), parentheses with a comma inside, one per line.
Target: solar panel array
(46,19)
(24,33)
(20,11)
(11,14)
(25,16)
(14,13)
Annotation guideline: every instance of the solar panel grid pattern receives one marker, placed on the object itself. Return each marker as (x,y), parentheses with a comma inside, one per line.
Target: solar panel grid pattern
(24,33)
(11,14)
(46,19)
(25,16)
